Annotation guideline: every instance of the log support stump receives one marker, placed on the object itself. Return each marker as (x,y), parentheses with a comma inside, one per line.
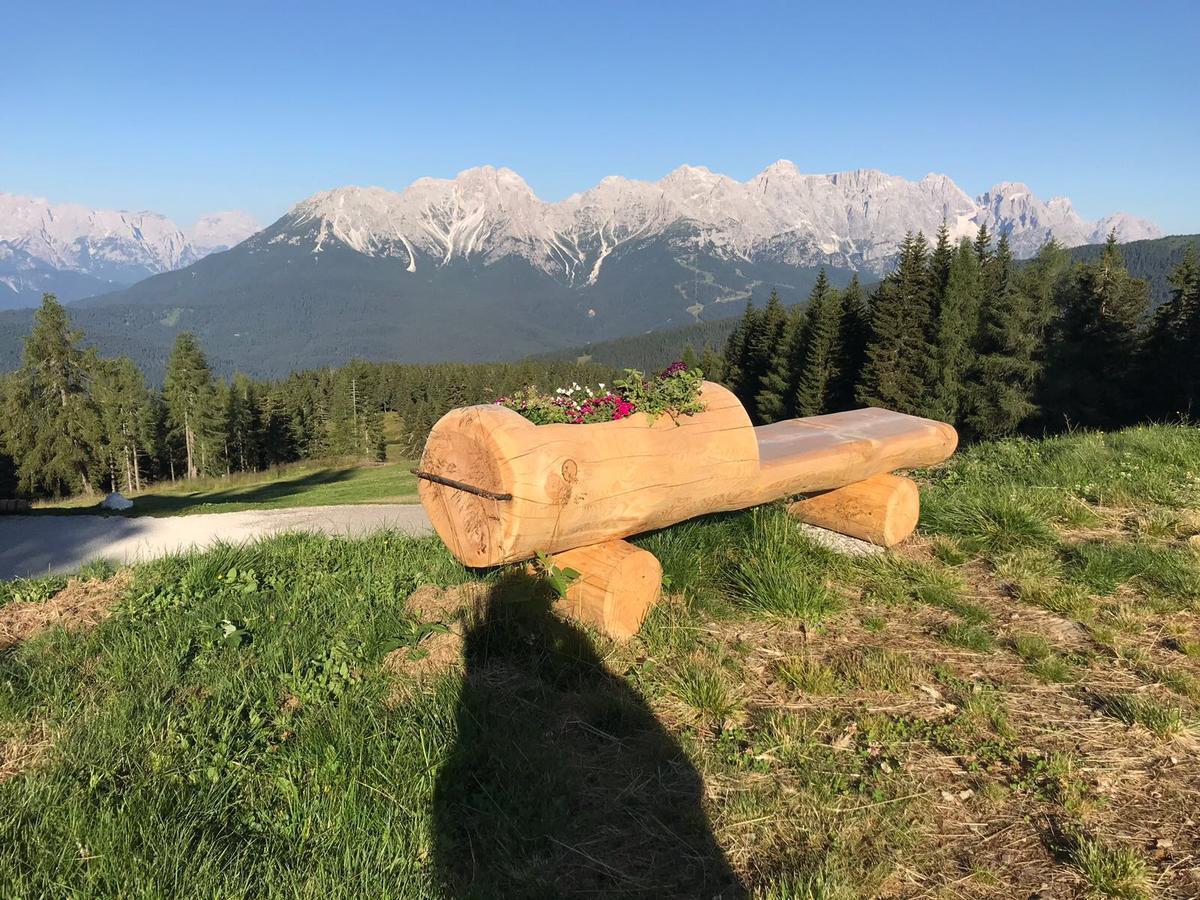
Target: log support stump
(882,509)
(617,585)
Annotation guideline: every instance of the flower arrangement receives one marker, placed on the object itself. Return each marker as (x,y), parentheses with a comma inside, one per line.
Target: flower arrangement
(675,391)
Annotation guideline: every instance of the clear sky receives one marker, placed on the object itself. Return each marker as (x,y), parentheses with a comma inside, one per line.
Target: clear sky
(191,108)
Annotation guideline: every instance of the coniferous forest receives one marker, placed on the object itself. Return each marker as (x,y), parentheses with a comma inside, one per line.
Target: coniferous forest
(957,332)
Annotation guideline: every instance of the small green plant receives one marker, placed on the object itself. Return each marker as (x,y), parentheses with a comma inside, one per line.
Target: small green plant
(969,637)
(1165,721)
(808,676)
(560,579)
(31,590)
(410,638)
(1119,872)
(706,693)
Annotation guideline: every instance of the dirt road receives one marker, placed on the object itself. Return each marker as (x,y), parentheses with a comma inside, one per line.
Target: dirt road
(38,545)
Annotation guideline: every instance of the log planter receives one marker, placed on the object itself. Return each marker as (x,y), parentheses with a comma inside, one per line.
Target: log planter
(499,488)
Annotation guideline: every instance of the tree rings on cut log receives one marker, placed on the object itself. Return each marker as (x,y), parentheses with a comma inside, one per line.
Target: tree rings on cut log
(617,585)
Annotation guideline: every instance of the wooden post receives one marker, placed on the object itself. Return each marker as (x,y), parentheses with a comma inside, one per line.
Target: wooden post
(882,510)
(618,584)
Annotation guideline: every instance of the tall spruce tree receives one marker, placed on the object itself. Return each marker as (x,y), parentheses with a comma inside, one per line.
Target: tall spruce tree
(940,261)
(955,328)
(1002,383)
(1091,380)
(896,375)
(244,429)
(52,425)
(767,361)
(737,360)
(194,407)
(816,379)
(1171,365)
(123,403)
(853,335)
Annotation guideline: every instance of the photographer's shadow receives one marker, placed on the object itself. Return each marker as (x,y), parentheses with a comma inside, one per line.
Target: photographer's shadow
(562,782)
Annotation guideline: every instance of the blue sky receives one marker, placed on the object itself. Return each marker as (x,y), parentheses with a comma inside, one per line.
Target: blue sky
(190,108)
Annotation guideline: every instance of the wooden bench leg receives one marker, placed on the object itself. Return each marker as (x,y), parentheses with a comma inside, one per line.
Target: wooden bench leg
(882,510)
(617,585)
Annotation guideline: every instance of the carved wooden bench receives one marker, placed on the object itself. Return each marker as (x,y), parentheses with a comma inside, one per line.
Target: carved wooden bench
(499,488)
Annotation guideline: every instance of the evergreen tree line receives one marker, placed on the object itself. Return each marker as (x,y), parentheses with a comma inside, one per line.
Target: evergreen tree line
(959,333)
(73,422)
(956,332)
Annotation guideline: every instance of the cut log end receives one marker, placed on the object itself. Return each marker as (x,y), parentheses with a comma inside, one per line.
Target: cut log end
(618,584)
(882,510)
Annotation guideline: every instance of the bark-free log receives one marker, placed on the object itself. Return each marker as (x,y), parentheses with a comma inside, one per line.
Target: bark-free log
(882,510)
(618,584)
(577,485)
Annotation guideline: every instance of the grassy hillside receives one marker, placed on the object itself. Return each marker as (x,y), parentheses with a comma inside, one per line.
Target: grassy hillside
(299,484)
(1005,705)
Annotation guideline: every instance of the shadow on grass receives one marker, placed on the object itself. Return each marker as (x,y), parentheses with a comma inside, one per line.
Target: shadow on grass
(169,504)
(563,782)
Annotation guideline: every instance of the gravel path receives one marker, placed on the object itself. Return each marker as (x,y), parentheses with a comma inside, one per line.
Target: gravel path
(38,545)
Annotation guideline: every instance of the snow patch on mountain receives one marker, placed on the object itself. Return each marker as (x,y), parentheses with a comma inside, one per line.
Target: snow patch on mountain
(854,219)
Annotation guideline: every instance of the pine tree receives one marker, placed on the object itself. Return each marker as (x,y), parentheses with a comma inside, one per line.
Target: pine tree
(194,409)
(853,335)
(1002,384)
(983,246)
(940,262)
(816,379)
(737,354)
(52,425)
(767,361)
(1171,365)
(896,375)
(955,329)
(712,365)
(244,425)
(1096,343)
(119,391)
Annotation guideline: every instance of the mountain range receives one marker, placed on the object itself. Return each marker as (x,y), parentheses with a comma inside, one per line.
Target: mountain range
(479,267)
(76,252)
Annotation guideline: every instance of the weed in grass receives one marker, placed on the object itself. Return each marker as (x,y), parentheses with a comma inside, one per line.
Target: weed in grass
(1159,523)
(779,573)
(31,590)
(893,580)
(819,885)
(1179,682)
(1186,646)
(1119,872)
(1055,778)
(707,694)
(1054,670)
(1031,647)
(1068,600)
(969,637)
(879,669)
(1165,721)
(987,519)
(874,624)
(808,676)
(948,551)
